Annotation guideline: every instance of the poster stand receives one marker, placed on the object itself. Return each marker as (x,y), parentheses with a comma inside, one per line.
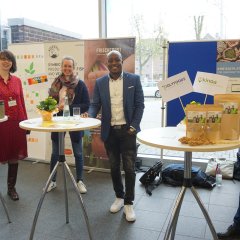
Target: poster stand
(164,70)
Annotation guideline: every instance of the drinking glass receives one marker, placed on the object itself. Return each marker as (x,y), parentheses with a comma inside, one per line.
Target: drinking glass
(76,113)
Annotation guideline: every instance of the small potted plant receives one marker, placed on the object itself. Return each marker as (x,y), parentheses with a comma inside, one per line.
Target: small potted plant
(47,108)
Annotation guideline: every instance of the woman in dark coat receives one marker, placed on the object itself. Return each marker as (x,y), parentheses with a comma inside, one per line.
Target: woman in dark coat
(68,85)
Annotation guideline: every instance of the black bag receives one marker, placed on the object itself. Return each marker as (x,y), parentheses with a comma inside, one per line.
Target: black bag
(173,174)
(148,178)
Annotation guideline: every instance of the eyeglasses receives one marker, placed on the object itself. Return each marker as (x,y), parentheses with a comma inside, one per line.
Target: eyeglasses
(5,59)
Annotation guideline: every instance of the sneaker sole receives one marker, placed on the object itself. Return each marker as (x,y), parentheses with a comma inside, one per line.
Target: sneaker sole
(132,220)
(51,189)
(82,192)
(85,191)
(129,220)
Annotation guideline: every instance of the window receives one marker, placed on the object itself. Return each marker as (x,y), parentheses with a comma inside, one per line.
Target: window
(171,20)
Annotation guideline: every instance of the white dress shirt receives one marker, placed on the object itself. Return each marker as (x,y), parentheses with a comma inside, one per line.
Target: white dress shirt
(116,97)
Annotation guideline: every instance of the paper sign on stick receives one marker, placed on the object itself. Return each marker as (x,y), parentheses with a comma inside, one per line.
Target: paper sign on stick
(175,86)
(210,83)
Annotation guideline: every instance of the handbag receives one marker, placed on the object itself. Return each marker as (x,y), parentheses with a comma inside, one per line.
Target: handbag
(226,167)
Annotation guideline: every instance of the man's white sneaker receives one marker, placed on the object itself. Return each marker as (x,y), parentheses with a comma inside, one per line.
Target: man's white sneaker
(81,186)
(117,205)
(130,214)
(51,186)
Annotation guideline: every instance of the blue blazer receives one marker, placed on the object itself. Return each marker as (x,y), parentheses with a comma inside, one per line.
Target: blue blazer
(133,102)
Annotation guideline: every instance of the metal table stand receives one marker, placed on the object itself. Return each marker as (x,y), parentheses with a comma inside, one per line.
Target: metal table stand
(5,207)
(65,168)
(187,183)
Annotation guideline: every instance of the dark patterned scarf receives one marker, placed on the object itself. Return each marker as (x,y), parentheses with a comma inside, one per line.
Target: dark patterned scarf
(61,81)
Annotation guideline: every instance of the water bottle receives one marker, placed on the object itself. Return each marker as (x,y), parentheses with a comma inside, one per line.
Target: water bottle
(66,109)
(218,176)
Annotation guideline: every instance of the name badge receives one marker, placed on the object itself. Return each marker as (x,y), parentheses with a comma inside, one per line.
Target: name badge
(12,103)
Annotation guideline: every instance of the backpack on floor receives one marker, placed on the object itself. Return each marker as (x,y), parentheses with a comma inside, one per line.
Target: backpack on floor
(173,174)
(148,178)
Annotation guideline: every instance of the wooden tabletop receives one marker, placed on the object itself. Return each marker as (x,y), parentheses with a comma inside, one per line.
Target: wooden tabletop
(167,138)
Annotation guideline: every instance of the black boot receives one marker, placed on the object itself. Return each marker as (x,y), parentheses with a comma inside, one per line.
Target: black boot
(233,232)
(12,179)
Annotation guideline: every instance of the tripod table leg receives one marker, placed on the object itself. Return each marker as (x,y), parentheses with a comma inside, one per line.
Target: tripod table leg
(5,207)
(80,199)
(177,215)
(41,201)
(175,212)
(66,192)
(204,211)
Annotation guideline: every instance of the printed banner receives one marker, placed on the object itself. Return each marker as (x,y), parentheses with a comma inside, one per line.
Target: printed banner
(228,63)
(210,83)
(53,55)
(95,58)
(40,63)
(175,86)
(31,70)
(95,66)
(217,57)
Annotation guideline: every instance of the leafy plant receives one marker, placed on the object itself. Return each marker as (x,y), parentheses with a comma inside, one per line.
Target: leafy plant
(49,104)
(30,70)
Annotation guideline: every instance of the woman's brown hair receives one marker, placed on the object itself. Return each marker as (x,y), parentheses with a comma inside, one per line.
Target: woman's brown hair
(6,54)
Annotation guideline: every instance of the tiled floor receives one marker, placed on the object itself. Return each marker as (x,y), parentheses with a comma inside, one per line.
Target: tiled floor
(152,212)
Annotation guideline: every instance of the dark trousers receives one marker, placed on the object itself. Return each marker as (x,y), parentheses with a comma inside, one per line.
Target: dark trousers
(237,215)
(121,146)
(78,154)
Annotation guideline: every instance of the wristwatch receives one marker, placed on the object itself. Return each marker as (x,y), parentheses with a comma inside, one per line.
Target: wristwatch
(132,129)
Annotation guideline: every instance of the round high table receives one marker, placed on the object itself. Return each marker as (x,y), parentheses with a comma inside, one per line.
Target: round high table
(60,125)
(5,118)
(167,138)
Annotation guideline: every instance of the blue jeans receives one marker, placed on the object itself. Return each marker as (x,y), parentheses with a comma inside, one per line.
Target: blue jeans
(237,215)
(121,146)
(78,154)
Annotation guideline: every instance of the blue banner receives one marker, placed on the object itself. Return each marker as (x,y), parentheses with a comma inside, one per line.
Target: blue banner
(190,57)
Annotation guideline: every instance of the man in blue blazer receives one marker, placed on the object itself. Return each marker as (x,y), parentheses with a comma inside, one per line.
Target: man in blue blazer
(120,98)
